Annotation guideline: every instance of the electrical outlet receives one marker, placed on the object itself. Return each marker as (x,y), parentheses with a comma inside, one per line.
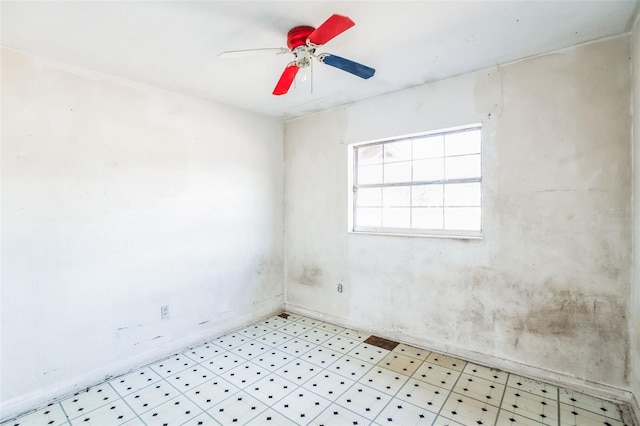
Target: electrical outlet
(164,312)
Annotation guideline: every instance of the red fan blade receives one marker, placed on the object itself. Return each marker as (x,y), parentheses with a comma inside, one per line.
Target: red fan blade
(335,25)
(286,79)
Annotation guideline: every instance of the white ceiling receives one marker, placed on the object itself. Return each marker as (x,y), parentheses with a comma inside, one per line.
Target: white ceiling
(175,45)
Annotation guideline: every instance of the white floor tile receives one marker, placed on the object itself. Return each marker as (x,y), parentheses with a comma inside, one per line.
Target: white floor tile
(349,367)
(49,415)
(209,394)
(399,412)
(468,411)
(589,403)
(402,364)
(384,380)
(328,385)
(273,359)
(150,397)
(190,378)
(298,371)
(331,328)
(532,386)
(176,411)
(274,338)
(301,406)
(446,361)
(412,351)
(203,352)
(271,418)
(423,394)
(203,419)
(239,409)
(355,334)
(244,375)
(317,336)
(294,317)
(296,347)
(223,362)
(250,350)
(436,375)
(321,356)
(271,389)
(134,381)
(341,344)
(337,415)
(294,329)
(114,413)
(363,400)
(491,374)
(539,408)
(480,389)
(275,322)
(309,321)
(170,366)
(577,416)
(255,331)
(94,398)
(507,418)
(230,341)
(369,353)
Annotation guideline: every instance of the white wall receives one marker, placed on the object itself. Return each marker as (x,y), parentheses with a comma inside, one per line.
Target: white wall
(118,198)
(634,304)
(546,291)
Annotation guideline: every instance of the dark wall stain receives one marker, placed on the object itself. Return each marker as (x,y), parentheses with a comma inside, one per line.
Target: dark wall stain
(572,314)
(311,275)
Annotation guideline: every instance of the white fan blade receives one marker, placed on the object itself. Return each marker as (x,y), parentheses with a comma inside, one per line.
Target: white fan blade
(253,52)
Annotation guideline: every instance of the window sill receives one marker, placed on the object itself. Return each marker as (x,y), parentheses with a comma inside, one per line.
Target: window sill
(401,233)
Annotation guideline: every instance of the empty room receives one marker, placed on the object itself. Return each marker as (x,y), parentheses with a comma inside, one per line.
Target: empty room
(320,213)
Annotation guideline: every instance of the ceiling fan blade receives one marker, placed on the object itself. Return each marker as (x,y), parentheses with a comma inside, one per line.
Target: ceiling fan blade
(347,65)
(335,25)
(253,52)
(286,79)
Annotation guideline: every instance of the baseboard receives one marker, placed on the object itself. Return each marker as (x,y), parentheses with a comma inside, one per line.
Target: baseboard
(633,410)
(26,403)
(549,376)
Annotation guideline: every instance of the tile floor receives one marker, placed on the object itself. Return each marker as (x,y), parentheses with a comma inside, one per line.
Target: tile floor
(301,371)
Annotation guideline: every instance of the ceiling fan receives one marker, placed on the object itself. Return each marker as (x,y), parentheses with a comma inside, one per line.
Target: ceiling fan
(303,42)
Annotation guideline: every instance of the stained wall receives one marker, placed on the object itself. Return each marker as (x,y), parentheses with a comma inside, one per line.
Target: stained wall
(546,290)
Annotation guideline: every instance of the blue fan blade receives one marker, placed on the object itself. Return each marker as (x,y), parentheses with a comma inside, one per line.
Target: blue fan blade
(347,65)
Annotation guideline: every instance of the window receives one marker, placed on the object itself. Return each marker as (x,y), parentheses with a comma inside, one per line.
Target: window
(427,184)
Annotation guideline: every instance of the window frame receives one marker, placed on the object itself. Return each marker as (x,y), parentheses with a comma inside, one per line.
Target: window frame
(352,160)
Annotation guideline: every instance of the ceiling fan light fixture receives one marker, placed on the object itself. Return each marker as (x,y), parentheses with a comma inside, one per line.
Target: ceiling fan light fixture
(303,56)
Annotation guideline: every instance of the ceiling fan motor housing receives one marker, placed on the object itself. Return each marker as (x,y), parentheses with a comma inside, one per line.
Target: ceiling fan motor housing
(297,42)
(298,36)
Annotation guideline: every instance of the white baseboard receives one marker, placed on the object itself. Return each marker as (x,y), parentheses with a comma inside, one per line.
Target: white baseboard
(600,390)
(25,403)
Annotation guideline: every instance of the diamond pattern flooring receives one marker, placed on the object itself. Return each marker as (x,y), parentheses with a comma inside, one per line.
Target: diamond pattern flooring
(301,371)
